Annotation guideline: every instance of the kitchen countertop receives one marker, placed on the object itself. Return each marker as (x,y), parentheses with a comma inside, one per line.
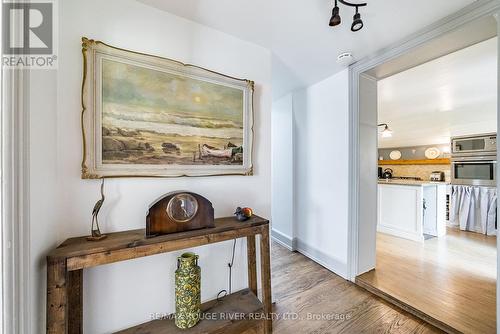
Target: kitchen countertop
(411,182)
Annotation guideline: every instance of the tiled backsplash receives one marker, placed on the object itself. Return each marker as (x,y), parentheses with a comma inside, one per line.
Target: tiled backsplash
(421,171)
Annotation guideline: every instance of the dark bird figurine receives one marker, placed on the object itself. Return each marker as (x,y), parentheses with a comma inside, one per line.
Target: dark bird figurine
(95,234)
(239,215)
(243,214)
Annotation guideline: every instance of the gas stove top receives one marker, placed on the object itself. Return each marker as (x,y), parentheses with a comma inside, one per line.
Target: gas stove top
(412,178)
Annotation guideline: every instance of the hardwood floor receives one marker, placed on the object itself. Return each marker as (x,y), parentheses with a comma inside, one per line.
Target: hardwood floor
(318,301)
(450,279)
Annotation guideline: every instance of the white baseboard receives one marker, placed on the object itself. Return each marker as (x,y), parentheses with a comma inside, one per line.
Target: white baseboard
(295,244)
(283,239)
(399,233)
(327,261)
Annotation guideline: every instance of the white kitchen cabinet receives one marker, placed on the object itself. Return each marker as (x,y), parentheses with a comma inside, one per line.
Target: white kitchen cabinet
(434,214)
(411,210)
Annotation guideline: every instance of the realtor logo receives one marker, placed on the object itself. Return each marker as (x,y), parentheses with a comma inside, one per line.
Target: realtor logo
(29,34)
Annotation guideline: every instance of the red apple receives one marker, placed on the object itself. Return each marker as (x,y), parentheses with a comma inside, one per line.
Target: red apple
(247,212)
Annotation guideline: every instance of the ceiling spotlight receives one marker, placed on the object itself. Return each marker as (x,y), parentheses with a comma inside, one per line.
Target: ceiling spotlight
(357,23)
(335,20)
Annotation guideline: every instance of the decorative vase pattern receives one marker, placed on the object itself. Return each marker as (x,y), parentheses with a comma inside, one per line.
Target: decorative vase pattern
(187,291)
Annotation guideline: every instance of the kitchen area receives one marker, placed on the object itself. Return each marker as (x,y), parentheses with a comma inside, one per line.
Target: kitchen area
(437,146)
(422,189)
(436,244)
(437,228)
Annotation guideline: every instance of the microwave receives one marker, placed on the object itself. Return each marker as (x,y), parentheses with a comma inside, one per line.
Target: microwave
(474,145)
(474,171)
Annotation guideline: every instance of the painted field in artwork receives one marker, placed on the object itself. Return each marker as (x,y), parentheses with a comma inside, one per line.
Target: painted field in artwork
(154,117)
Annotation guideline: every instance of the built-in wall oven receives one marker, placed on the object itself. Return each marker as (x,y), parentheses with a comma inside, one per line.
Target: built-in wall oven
(473,171)
(473,160)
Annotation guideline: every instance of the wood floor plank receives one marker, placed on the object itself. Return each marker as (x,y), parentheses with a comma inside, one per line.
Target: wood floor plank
(451,279)
(324,303)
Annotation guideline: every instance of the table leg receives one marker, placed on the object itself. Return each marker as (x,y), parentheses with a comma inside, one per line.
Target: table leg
(75,302)
(252,264)
(265,272)
(57,307)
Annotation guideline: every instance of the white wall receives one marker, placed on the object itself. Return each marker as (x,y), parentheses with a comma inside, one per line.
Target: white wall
(120,295)
(321,177)
(282,171)
(367,191)
(44,206)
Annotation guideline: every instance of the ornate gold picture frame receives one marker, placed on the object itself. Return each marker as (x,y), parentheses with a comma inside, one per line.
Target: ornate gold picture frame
(144,115)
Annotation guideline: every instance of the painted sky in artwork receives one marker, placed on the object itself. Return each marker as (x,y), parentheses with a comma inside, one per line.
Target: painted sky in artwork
(130,85)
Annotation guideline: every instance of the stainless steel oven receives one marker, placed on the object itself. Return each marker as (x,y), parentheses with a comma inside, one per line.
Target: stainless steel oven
(474,170)
(474,159)
(478,145)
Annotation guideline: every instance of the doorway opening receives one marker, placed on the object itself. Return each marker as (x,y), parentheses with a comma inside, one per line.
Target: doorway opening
(405,245)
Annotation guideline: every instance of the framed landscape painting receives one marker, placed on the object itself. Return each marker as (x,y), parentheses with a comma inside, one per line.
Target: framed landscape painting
(144,115)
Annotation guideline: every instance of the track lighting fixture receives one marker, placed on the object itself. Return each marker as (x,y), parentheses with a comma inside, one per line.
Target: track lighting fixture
(357,23)
(335,20)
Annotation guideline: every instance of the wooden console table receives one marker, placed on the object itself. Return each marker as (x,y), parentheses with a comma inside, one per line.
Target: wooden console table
(65,266)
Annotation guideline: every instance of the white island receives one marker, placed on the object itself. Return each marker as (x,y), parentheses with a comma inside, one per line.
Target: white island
(410,209)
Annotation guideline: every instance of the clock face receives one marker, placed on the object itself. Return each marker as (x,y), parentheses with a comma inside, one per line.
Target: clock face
(182,208)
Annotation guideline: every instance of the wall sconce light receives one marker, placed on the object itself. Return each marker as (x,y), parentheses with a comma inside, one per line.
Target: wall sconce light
(386,133)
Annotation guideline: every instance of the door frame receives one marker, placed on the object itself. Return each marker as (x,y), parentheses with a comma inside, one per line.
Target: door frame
(477,10)
(15,275)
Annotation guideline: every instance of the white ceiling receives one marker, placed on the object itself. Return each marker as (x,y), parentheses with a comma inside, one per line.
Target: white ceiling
(247,20)
(449,96)
(466,35)
(297,32)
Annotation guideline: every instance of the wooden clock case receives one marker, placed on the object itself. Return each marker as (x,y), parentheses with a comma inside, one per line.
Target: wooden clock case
(159,222)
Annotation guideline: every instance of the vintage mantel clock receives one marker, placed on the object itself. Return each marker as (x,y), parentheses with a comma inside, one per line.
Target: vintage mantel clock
(179,211)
